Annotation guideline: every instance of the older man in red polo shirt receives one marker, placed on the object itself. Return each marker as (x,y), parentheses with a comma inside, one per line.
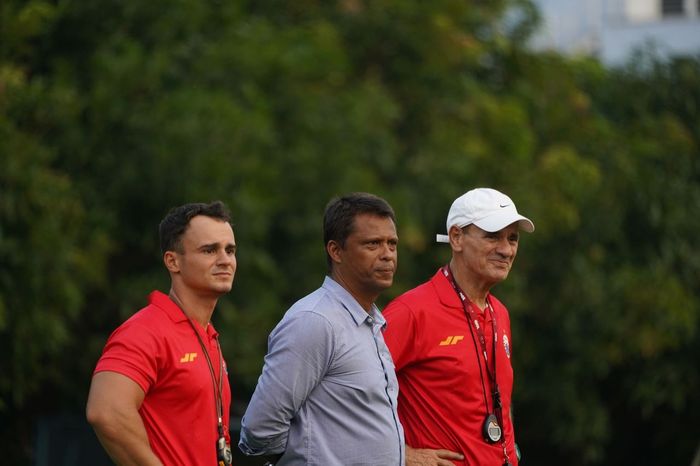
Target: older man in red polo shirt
(451,343)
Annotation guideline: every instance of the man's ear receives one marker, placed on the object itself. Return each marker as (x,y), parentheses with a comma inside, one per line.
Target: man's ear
(171,261)
(334,251)
(455,235)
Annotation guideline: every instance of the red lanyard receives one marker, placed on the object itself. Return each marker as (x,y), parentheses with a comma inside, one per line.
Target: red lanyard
(474,325)
(472,317)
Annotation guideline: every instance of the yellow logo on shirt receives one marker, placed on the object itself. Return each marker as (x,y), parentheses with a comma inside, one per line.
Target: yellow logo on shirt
(188,357)
(452,340)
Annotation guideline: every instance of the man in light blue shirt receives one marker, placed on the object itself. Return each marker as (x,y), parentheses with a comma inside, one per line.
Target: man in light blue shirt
(328,392)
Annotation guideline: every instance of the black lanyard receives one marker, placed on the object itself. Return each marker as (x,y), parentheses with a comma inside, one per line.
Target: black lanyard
(217,386)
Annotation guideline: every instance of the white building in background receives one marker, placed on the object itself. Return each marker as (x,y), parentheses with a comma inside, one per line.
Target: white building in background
(612,29)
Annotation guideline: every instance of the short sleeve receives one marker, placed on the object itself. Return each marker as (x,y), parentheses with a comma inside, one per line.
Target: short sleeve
(133,351)
(400,332)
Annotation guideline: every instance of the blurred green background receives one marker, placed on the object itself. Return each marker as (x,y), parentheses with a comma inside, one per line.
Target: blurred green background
(113,111)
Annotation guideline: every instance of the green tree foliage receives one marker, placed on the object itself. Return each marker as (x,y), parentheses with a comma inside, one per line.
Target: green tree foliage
(615,308)
(113,111)
(49,257)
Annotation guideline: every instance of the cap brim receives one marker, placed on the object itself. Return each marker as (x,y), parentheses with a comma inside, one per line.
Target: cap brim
(500,220)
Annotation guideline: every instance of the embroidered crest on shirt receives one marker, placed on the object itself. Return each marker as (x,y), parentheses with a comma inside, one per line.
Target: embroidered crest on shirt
(506,345)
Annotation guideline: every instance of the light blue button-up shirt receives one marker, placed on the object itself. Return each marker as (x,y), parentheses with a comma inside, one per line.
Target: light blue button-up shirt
(328,392)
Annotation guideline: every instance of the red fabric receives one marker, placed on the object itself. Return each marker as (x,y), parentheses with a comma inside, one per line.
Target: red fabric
(441,401)
(155,349)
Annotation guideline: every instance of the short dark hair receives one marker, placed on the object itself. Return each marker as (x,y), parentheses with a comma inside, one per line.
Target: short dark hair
(175,223)
(339,217)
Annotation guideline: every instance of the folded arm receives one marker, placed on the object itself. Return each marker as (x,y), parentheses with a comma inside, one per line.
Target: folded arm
(300,349)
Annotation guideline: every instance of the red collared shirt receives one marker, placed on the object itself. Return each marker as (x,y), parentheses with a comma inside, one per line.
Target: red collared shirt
(158,349)
(441,400)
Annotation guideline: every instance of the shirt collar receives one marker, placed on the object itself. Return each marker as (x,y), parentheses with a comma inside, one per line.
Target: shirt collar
(359,315)
(446,293)
(448,296)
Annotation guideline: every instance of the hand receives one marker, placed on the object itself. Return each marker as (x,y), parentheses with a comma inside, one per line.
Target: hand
(427,457)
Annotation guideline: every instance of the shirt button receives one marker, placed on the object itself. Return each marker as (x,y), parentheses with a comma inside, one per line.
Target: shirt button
(370,320)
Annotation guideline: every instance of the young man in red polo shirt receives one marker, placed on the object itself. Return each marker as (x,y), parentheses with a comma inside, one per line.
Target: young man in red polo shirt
(160,392)
(451,343)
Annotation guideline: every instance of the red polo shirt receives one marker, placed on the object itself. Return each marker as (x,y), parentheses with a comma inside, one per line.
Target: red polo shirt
(158,349)
(441,400)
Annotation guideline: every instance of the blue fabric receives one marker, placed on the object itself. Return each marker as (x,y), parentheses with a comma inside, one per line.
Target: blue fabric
(328,391)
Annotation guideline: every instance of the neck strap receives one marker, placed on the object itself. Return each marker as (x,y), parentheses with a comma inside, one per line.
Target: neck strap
(217,385)
(475,327)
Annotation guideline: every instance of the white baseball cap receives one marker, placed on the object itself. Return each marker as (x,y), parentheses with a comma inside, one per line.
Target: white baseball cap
(486,208)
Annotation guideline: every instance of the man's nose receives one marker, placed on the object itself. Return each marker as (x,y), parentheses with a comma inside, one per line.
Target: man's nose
(388,251)
(223,257)
(505,248)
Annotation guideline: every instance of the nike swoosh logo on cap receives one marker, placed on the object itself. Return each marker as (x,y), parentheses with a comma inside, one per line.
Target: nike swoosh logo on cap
(503,205)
